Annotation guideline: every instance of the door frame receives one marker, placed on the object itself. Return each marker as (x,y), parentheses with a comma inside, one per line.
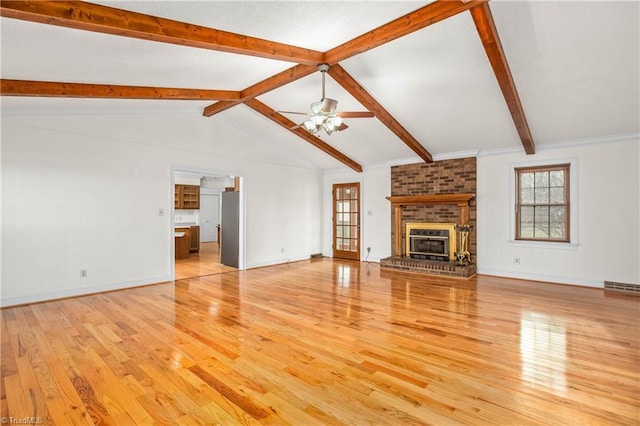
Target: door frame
(358,253)
(242,214)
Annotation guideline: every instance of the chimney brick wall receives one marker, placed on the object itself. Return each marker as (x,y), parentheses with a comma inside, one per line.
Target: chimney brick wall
(440,177)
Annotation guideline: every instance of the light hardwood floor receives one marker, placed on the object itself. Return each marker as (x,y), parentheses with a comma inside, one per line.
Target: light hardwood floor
(205,262)
(326,342)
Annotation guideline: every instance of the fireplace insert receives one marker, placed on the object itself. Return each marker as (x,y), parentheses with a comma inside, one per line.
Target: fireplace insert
(431,241)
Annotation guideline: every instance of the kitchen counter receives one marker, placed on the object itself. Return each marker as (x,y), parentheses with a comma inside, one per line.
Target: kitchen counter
(181,245)
(191,233)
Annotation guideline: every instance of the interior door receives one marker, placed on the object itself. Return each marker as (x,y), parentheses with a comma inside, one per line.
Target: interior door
(209,217)
(346,221)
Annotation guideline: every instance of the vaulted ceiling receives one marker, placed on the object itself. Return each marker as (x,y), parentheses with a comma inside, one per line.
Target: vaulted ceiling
(441,77)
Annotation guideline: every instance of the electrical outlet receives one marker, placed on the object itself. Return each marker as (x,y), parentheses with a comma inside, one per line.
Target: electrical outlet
(83,273)
(516,260)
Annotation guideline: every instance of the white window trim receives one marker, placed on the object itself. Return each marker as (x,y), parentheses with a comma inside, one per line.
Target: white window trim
(573,204)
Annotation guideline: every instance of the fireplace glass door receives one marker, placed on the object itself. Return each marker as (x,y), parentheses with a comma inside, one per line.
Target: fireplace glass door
(430,245)
(346,221)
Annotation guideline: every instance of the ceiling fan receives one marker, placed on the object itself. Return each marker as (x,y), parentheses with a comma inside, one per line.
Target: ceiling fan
(324,115)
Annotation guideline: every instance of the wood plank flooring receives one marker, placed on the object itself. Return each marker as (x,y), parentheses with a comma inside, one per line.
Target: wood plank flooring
(325,342)
(205,262)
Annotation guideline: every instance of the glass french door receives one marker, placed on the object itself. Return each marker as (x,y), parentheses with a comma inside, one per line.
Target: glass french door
(346,221)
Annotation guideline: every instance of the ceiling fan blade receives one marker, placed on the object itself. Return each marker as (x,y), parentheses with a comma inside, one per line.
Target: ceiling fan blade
(297,126)
(341,127)
(356,114)
(292,112)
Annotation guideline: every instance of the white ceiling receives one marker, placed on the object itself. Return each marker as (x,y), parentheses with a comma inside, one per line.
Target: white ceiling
(575,64)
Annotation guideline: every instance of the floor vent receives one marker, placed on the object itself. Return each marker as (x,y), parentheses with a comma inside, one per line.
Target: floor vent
(625,288)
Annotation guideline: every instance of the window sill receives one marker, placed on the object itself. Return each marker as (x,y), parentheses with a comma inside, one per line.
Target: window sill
(544,244)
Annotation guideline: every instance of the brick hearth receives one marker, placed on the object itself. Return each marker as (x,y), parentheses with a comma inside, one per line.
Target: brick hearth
(433,267)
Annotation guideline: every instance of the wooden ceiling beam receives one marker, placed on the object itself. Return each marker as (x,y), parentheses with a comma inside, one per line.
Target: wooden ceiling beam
(109,20)
(342,77)
(313,140)
(486,27)
(218,107)
(278,80)
(404,25)
(421,18)
(411,22)
(82,90)
(285,77)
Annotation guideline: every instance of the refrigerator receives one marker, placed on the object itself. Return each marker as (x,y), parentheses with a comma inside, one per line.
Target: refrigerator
(230,228)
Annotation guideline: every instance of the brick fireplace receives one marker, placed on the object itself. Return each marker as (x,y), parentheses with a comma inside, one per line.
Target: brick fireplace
(439,192)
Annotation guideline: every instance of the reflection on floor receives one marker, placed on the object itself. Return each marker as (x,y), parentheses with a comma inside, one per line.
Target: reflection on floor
(325,342)
(206,262)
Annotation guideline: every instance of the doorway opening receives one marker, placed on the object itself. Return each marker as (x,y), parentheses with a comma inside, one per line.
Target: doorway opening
(200,212)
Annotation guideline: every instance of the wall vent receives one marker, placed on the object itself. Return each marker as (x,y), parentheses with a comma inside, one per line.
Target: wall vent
(623,287)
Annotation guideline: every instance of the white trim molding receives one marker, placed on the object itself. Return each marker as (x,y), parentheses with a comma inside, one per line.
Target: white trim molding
(562,144)
(84,291)
(553,279)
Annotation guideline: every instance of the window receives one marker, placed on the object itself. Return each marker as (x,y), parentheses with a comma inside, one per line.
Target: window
(542,203)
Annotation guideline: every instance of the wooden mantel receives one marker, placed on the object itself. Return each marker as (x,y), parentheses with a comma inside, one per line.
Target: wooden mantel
(399,201)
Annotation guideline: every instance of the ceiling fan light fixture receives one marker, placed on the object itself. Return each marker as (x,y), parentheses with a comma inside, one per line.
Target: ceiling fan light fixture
(316,107)
(310,126)
(328,105)
(323,113)
(317,120)
(336,121)
(328,127)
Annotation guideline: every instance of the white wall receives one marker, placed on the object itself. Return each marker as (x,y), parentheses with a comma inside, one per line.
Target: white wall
(607,203)
(182,216)
(285,211)
(375,210)
(607,213)
(85,193)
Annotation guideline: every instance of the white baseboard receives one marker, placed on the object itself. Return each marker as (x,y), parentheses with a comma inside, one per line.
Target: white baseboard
(279,261)
(74,292)
(542,277)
